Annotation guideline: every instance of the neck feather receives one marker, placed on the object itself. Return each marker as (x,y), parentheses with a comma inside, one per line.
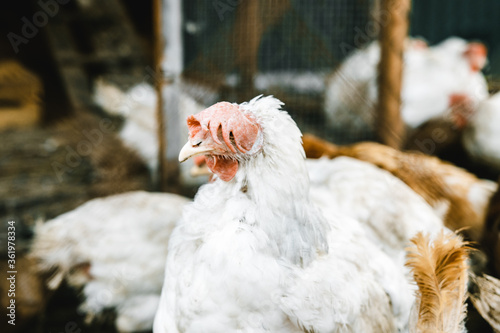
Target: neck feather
(276,180)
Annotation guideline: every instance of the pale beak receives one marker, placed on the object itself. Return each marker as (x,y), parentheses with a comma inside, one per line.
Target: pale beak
(189,151)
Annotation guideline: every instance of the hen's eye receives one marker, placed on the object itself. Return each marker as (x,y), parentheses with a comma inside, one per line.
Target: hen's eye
(231,138)
(219,133)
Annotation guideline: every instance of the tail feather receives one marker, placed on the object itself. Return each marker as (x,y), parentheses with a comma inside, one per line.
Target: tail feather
(440,270)
(53,252)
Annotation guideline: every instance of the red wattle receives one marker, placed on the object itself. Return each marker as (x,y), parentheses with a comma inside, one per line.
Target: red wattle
(223,167)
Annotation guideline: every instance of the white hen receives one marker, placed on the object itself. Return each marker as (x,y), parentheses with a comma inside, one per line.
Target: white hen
(390,211)
(115,249)
(435,80)
(438,81)
(481,138)
(252,254)
(138,108)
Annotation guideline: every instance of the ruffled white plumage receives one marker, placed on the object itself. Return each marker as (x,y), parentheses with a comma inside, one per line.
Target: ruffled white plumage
(390,212)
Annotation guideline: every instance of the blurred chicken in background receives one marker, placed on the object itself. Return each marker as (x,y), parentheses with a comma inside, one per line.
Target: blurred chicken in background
(113,250)
(440,81)
(138,108)
(481,138)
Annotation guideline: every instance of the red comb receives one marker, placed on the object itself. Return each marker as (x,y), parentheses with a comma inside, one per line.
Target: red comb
(462,109)
(237,129)
(477,49)
(477,54)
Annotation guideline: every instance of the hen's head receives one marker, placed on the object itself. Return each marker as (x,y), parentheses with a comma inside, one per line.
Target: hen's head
(461,109)
(477,56)
(225,134)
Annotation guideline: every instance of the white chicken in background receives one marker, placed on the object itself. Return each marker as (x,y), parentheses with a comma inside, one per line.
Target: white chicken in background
(445,82)
(252,253)
(114,249)
(439,81)
(390,212)
(481,139)
(138,107)
(346,93)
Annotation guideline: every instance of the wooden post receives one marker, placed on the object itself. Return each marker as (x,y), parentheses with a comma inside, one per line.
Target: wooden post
(389,125)
(158,57)
(253,17)
(169,65)
(246,40)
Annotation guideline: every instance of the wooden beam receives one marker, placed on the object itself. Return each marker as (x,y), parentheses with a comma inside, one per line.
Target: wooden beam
(158,58)
(246,41)
(253,18)
(170,65)
(389,124)
(83,38)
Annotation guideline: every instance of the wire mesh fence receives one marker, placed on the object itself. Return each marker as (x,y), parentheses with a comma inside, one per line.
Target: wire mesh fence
(291,48)
(286,48)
